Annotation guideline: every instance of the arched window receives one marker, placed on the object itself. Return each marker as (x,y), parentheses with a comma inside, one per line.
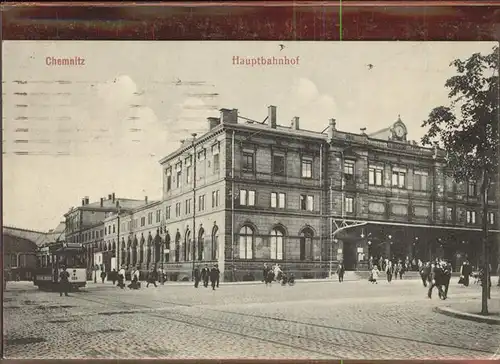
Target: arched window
(246,242)
(187,246)
(148,249)
(113,247)
(306,244)
(167,248)
(277,244)
(158,244)
(141,251)
(134,252)
(201,239)
(215,243)
(177,246)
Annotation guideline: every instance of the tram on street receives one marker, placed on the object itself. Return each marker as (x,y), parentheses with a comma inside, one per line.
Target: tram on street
(51,259)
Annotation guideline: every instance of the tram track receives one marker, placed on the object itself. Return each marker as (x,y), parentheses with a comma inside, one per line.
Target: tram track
(168,313)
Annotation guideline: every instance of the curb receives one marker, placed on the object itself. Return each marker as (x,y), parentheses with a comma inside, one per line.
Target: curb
(467,316)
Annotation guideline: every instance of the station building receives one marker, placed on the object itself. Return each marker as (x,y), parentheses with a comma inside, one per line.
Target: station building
(247,193)
(251,192)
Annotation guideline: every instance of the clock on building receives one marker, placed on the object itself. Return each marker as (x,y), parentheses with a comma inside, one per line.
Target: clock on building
(399,130)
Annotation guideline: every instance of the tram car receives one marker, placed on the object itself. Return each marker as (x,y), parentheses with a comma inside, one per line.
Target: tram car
(51,259)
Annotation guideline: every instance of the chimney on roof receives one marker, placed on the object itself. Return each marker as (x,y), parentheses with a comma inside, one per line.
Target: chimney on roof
(83,202)
(332,128)
(109,197)
(86,200)
(229,116)
(117,204)
(213,122)
(295,123)
(113,195)
(146,199)
(271,116)
(102,201)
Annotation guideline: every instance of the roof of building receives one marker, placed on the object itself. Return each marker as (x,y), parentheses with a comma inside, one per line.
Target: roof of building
(16,244)
(38,237)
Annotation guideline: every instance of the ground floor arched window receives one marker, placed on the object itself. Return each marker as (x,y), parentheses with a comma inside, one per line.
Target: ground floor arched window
(177,247)
(277,239)
(201,248)
(306,244)
(246,241)
(215,243)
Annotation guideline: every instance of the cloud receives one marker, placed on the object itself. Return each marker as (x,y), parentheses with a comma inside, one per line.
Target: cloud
(306,99)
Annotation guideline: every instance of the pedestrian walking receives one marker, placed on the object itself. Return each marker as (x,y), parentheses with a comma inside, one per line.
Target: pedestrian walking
(121,278)
(465,272)
(196,276)
(64,282)
(103,276)
(341,271)
(113,276)
(214,276)
(498,274)
(205,275)
(135,284)
(401,270)
(374,274)
(152,277)
(388,271)
(265,270)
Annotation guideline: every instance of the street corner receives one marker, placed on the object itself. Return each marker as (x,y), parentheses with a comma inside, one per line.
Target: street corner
(471,310)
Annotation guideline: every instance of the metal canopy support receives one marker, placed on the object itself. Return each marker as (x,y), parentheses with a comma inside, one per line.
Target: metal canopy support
(339,225)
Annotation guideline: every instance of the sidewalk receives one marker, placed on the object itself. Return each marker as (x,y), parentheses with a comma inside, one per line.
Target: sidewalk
(471,309)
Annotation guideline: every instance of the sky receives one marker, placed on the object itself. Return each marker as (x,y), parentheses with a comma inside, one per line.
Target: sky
(102,126)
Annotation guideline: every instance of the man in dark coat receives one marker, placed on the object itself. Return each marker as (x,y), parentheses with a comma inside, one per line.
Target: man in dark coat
(214,276)
(440,278)
(425,273)
(196,276)
(341,271)
(465,272)
(152,277)
(64,282)
(205,275)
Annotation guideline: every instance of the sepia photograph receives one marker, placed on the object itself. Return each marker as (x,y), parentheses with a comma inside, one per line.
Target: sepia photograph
(250,200)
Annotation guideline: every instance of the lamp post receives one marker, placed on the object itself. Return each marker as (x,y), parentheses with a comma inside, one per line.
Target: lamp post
(194,204)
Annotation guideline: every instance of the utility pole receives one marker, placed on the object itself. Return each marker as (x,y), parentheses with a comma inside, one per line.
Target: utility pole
(194,204)
(486,271)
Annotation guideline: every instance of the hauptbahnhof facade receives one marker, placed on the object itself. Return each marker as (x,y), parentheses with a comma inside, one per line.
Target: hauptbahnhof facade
(247,193)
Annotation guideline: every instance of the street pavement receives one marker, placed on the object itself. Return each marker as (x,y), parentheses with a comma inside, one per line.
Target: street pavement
(311,320)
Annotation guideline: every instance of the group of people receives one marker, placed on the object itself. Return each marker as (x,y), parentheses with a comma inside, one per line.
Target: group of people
(275,273)
(392,269)
(436,274)
(399,265)
(206,274)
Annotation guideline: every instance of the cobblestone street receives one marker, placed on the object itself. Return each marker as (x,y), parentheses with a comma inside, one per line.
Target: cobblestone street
(324,320)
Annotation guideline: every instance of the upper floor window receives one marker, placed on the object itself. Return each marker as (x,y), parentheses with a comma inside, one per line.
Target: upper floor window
(349,205)
(278,200)
(114,227)
(178,209)
(150,218)
(167,213)
(178,169)
(491,218)
(306,168)
(375,175)
(398,177)
(420,180)
(201,203)
(472,189)
(349,171)
(143,221)
(470,217)
(278,164)
(188,174)
(449,213)
(168,172)
(450,184)
(306,202)
(188,206)
(247,198)
(215,198)
(248,161)
(158,215)
(215,154)
(202,154)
